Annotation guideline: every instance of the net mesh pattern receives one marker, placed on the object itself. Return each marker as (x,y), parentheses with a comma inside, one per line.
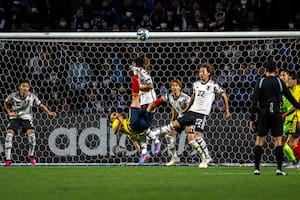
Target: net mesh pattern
(84,80)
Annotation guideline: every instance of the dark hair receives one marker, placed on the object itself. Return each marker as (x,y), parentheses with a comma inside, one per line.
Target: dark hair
(270,66)
(294,76)
(284,70)
(24,81)
(139,61)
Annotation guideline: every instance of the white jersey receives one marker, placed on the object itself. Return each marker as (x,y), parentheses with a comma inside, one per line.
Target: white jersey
(205,94)
(146,97)
(22,106)
(179,103)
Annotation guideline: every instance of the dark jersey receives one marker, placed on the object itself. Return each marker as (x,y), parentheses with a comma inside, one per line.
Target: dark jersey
(267,96)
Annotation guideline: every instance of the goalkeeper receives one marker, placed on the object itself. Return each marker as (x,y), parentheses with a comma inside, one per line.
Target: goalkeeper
(292,117)
(287,150)
(138,122)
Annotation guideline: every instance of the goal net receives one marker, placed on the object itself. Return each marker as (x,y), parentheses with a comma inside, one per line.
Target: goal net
(84,76)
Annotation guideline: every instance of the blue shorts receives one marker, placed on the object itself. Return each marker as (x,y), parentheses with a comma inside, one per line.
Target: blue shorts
(140,120)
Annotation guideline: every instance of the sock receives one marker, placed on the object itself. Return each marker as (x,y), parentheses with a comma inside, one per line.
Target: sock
(32,143)
(296,149)
(288,152)
(166,129)
(203,146)
(279,156)
(135,85)
(171,145)
(144,147)
(153,134)
(258,150)
(197,147)
(156,140)
(8,145)
(158,101)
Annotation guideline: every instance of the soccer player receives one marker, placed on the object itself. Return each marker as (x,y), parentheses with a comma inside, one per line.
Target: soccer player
(178,101)
(196,112)
(293,137)
(286,106)
(267,97)
(18,106)
(147,92)
(139,120)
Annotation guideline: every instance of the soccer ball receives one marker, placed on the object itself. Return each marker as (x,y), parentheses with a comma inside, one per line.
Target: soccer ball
(142,34)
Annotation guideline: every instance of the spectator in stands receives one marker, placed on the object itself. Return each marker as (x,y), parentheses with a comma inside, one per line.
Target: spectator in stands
(147,22)
(129,20)
(2,18)
(79,74)
(77,20)
(158,15)
(108,14)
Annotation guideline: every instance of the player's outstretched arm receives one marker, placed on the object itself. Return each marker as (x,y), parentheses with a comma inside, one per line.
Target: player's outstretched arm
(45,108)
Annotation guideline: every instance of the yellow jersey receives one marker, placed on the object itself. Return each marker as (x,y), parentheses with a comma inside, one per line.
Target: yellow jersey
(296,94)
(125,127)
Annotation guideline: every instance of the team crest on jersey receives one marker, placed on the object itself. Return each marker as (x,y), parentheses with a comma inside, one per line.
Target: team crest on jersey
(208,87)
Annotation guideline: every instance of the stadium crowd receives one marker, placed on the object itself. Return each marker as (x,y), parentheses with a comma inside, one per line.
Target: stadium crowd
(156,15)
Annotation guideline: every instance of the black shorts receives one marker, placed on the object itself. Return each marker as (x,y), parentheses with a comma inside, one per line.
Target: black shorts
(192,118)
(18,123)
(267,121)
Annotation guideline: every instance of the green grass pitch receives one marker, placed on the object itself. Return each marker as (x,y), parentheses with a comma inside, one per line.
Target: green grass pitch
(147,182)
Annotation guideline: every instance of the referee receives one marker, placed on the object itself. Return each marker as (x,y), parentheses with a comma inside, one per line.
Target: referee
(267,97)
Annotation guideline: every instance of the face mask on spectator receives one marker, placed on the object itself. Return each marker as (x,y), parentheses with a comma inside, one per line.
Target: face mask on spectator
(86,25)
(163,25)
(291,25)
(33,9)
(63,23)
(128,14)
(200,25)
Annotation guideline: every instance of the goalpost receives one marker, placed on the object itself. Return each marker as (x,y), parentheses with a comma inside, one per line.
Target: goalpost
(84,75)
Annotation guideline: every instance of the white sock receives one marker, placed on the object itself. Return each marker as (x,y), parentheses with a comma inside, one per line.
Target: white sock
(32,143)
(197,147)
(153,134)
(8,145)
(171,144)
(144,147)
(203,146)
(166,129)
(156,140)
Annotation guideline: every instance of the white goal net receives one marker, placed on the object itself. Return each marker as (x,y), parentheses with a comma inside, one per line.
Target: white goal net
(84,76)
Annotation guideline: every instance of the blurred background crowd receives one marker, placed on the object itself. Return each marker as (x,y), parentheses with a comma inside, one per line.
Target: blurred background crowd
(156,15)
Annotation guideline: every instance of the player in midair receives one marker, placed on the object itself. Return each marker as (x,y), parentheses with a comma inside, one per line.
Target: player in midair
(147,91)
(139,121)
(18,106)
